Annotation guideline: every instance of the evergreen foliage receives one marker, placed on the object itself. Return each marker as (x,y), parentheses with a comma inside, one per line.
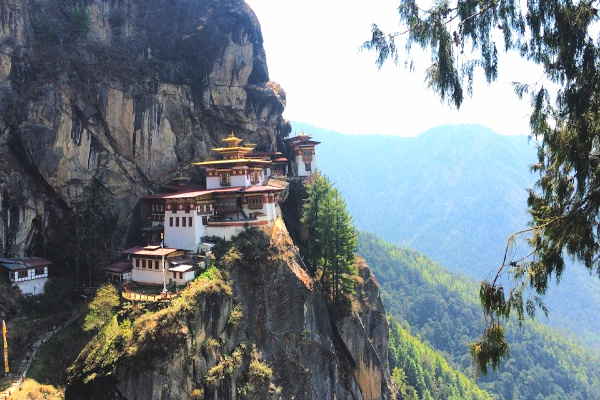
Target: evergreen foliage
(79,21)
(94,232)
(331,236)
(443,309)
(561,37)
(422,373)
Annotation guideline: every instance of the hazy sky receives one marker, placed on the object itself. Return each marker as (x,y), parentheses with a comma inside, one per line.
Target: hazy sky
(312,51)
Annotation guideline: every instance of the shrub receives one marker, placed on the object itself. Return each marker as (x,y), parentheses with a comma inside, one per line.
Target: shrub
(101,309)
(197,394)
(48,31)
(79,21)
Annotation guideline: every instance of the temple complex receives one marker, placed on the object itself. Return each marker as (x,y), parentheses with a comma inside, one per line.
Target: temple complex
(236,196)
(243,189)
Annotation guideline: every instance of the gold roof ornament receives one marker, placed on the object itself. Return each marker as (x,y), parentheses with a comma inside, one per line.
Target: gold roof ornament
(232,140)
(234,154)
(304,136)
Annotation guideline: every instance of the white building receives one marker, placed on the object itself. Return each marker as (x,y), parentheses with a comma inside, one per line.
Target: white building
(30,274)
(236,196)
(147,265)
(302,155)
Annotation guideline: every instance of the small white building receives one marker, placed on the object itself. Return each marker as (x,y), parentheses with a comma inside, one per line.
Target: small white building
(302,155)
(30,274)
(147,263)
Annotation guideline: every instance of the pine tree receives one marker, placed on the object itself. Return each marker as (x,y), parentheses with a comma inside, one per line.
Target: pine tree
(332,238)
(317,187)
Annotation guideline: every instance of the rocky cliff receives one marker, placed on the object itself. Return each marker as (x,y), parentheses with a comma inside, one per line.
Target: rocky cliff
(259,329)
(120,95)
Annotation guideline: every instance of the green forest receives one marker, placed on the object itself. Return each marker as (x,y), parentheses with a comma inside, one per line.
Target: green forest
(441,308)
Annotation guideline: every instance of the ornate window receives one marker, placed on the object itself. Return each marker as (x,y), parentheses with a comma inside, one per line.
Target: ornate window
(255,203)
(255,177)
(225,178)
(307,155)
(203,209)
(307,167)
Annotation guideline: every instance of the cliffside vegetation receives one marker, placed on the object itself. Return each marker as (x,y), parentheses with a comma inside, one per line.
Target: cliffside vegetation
(443,309)
(136,332)
(253,325)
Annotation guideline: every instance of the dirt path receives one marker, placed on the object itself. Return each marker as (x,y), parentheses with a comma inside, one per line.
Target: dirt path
(25,364)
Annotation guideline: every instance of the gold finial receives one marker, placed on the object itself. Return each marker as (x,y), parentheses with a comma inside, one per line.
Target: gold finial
(232,140)
(304,136)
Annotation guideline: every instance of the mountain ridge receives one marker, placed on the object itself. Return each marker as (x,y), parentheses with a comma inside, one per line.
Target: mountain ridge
(455,193)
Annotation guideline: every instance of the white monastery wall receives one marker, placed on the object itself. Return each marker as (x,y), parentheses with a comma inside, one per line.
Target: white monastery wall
(148,275)
(32,286)
(183,237)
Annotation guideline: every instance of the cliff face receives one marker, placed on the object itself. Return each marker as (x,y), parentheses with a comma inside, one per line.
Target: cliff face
(267,334)
(120,95)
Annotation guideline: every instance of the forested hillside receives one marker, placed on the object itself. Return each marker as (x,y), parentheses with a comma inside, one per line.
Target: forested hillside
(450,192)
(454,193)
(442,308)
(422,372)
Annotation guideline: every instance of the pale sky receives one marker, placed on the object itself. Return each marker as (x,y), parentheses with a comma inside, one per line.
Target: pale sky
(312,51)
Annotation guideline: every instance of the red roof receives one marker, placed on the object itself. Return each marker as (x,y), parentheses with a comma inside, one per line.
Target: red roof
(185,195)
(121,266)
(146,251)
(24,262)
(282,159)
(254,189)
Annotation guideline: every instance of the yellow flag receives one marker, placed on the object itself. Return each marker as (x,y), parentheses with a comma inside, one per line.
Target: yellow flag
(5,347)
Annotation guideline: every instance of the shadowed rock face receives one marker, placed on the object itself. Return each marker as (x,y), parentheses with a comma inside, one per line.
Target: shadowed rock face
(122,96)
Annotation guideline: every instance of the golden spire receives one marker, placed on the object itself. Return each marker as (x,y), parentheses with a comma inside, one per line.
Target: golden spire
(232,141)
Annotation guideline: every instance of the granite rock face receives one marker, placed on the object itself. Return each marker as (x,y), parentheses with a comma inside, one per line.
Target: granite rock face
(121,95)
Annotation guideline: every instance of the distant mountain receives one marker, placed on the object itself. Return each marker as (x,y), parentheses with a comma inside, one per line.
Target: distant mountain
(441,308)
(454,193)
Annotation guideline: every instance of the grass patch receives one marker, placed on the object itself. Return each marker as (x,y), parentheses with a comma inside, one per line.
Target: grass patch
(53,358)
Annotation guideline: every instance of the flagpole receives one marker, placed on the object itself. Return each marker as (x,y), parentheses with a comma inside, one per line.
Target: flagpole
(6,370)
(163,264)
